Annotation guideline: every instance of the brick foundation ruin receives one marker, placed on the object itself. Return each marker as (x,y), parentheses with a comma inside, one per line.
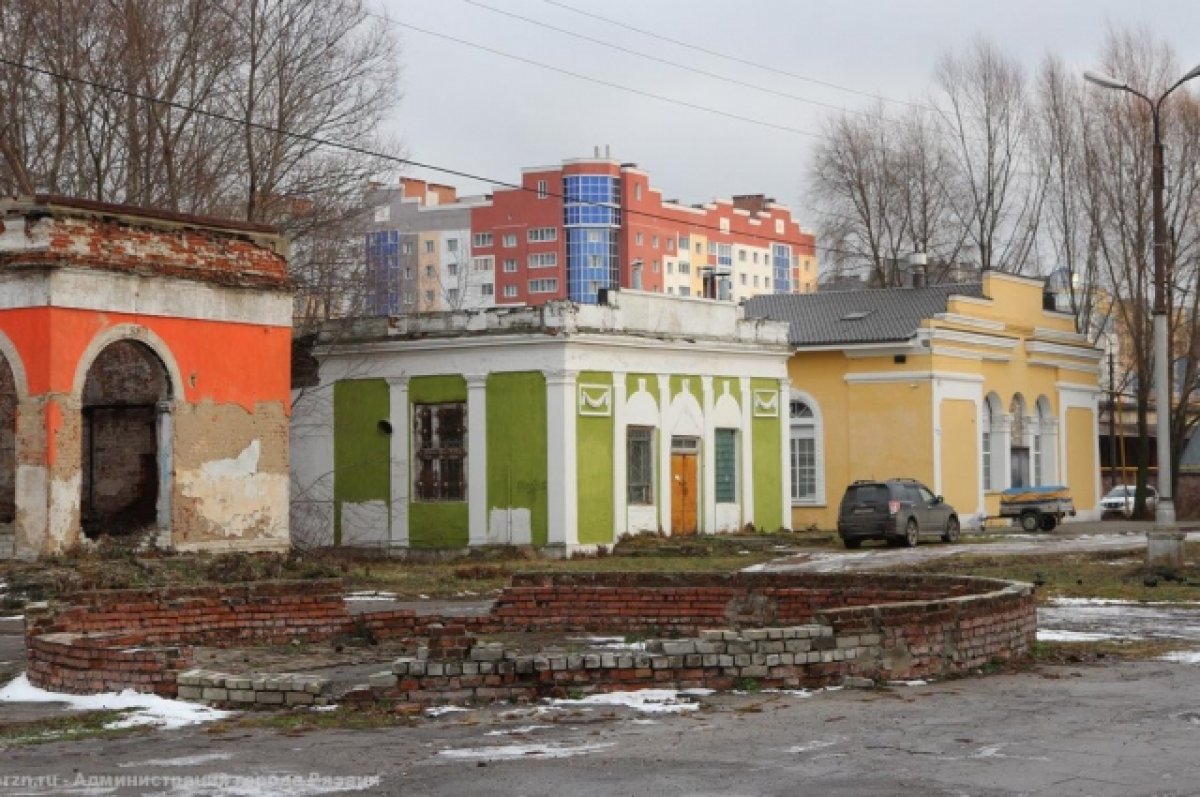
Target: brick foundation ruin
(716,631)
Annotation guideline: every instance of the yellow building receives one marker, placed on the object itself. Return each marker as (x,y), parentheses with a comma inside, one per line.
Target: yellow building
(969,388)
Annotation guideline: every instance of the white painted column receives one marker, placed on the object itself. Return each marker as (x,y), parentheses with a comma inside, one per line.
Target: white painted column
(708,452)
(561,463)
(665,483)
(477,509)
(398,489)
(620,466)
(1049,434)
(1002,447)
(785,437)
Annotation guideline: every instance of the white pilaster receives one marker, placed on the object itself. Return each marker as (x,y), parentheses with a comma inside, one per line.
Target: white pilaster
(785,437)
(561,475)
(1002,447)
(398,453)
(665,483)
(477,509)
(620,466)
(708,451)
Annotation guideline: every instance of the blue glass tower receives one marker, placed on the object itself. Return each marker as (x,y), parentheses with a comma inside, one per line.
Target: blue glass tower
(592,217)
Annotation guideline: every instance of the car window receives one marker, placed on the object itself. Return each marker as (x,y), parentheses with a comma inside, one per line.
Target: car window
(909,493)
(926,495)
(866,494)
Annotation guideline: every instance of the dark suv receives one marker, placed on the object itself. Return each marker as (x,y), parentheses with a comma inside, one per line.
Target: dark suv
(896,510)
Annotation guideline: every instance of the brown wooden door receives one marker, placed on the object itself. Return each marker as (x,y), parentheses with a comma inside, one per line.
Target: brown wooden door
(684,493)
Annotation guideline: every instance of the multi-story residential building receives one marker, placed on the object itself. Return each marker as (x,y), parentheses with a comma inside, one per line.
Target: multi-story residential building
(570,231)
(419,251)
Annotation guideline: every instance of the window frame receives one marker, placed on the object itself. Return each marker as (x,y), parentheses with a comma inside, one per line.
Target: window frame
(438,453)
(644,460)
(725,473)
(806,428)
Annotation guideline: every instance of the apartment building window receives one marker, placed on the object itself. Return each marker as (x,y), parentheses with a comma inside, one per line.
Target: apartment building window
(487,289)
(684,243)
(685,268)
(685,291)
(510,266)
(637,190)
(699,248)
(406,248)
(452,245)
(743,278)
(429,246)
(724,225)
(653,241)
(542,189)
(510,291)
(670,244)
(429,271)
(452,297)
(724,254)
(483,263)
(670,290)
(756,258)
(725,466)
(670,267)
(654,267)
(594,237)
(481,240)
(408,272)
(755,280)
(543,260)
(539,234)
(712,247)
(543,286)
(429,298)
(440,451)
(742,256)
(452,270)
(509,240)
(638,239)
(639,465)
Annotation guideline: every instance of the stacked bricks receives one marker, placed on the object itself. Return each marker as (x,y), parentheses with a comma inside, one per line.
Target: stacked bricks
(257,689)
(81,664)
(718,659)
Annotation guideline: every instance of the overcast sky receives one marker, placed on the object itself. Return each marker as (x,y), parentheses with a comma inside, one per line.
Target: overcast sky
(475,111)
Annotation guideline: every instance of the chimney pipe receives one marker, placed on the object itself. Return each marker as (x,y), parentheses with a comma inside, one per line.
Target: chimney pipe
(918,260)
(596,151)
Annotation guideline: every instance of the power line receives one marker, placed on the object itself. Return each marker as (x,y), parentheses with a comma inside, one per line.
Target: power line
(599,81)
(676,64)
(323,142)
(737,59)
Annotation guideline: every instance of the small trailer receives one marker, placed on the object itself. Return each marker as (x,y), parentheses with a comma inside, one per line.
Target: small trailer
(1036,508)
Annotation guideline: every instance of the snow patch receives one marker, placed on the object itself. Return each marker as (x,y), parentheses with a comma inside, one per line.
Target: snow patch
(146,709)
(608,642)
(650,701)
(437,711)
(808,747)
(1182,656)
(1051,635)
(510,751)
(518,731)
(182,761)
(369,595)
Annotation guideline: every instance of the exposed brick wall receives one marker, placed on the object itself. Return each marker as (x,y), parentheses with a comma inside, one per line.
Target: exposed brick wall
(110,237)
(884,626)
(8,442)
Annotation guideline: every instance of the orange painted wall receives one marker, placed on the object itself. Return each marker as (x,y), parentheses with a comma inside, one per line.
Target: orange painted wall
(223,362)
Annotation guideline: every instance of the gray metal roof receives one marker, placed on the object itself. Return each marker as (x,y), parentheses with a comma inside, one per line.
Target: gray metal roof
(880,315)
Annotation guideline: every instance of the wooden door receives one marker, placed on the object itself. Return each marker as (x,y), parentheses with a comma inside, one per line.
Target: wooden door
(684,492)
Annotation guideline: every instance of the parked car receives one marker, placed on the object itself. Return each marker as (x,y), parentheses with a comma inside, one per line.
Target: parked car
(899,511)
(1121,498)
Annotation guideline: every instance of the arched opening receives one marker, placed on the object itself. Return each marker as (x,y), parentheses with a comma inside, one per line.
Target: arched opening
(991,442)
(8,445)
(126,441)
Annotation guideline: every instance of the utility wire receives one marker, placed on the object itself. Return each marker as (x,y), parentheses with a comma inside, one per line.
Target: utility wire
(737,59)
(676,64)
(323,142)
(598,81)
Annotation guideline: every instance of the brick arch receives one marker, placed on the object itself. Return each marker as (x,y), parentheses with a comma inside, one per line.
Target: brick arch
(12,358)
(135,332)
(12,390)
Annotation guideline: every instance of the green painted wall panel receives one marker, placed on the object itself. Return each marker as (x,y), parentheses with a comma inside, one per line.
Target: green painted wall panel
(516,442)
(768,463)
(594,468)
(361,451)
(695,387)
(437,524)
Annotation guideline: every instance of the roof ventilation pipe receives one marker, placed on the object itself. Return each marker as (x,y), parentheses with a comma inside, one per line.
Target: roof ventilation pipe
(917,261)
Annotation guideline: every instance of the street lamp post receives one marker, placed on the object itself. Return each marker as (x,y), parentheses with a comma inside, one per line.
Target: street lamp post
(1164,514)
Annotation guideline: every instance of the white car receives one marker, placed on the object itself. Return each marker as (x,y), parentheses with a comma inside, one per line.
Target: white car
(1120,499)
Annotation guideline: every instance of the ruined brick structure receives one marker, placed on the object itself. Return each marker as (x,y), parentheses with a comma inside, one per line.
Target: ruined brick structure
(144,378)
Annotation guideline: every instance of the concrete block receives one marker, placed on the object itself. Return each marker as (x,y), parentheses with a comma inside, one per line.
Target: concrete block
(382,680)
(240,683)
(241,695)
(190,693)
(214,693)
(298,698)
(268,698)
(678,648)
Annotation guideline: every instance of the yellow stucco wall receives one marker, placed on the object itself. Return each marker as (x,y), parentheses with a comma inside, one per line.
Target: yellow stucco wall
(879,420)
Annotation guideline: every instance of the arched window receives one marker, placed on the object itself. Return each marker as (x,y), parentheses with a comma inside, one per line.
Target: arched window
(1019,443)
(993,413)
(806,455)
(986,445)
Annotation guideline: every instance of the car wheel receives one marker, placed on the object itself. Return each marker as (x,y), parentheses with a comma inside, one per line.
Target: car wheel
(1049,522)
(911,533)
(952,530)
(849,543)
(1030,521)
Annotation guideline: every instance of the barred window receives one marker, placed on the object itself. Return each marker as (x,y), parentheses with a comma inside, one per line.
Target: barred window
(725,455)
(639,464)
(440,452)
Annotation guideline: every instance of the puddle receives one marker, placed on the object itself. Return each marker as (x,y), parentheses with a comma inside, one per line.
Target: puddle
(1079,620)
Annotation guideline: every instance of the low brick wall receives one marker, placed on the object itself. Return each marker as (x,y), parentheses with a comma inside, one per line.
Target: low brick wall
(982,621)
(876,626)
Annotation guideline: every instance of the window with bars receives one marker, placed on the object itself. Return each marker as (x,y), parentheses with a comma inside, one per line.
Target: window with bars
(440,452)
(725,454)
(639,464)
